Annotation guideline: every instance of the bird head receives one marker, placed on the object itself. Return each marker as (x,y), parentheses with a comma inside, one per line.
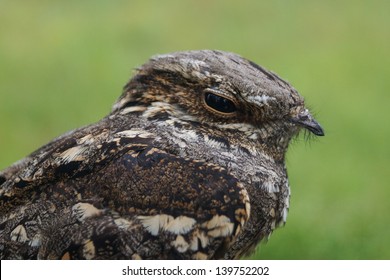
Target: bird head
(221,91)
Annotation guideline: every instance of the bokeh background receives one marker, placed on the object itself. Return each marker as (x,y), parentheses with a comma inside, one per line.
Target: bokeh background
(63,64)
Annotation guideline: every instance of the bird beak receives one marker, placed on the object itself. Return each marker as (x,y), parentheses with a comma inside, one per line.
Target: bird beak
(306,120)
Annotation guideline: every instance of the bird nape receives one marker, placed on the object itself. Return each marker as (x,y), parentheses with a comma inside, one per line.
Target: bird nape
(189,164)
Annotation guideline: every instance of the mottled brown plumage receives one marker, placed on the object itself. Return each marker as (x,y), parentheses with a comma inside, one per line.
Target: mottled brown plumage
(188,165)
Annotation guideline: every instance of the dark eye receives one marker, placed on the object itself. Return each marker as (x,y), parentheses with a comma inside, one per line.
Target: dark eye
(219,103)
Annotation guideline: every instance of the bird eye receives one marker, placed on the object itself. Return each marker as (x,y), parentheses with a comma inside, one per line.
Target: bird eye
(219,103)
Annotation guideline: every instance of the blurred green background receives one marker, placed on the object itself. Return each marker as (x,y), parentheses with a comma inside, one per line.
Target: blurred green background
(63,64)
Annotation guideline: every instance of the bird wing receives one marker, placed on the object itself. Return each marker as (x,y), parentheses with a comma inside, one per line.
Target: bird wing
(116,195)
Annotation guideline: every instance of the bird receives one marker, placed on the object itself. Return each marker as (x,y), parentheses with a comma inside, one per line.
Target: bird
(189,164)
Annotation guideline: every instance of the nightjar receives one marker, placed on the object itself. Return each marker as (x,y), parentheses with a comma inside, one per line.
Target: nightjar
(189,164)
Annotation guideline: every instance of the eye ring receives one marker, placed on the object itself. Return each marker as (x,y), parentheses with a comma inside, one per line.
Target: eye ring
(218,103)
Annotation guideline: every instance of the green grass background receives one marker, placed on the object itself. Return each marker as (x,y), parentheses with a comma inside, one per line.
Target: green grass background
(63,64)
